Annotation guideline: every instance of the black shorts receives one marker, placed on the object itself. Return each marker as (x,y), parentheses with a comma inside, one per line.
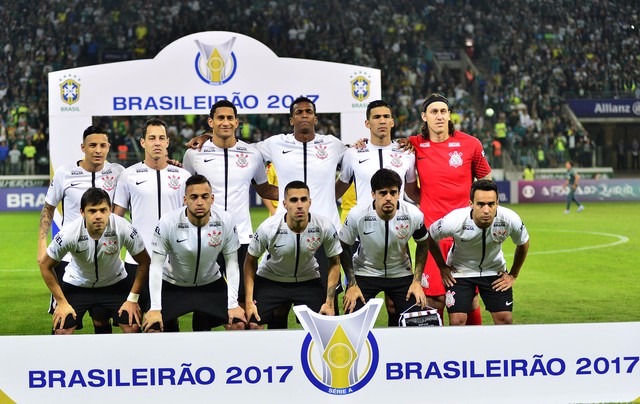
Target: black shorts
(210,299)
(242,252)
(107,299)
(269,295)
(395,288)
(144,301)
(459,297)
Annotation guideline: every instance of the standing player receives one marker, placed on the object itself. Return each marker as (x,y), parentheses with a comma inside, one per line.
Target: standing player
(312,158)
(359,164)
(289,273)
(231,166)
(573,178)
(149,189)
(382,262)
(476,261)
(192,238)
(95,276)
(447,161)
(67,187)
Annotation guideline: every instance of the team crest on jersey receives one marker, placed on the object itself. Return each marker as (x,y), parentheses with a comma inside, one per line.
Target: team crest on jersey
(313,243)
(108,183)
(456,159)
(321,152)
(242,161)
(499,234)
(174,182)
(396,160)
(215,238)
(402,231)
(449,300)
(110,247)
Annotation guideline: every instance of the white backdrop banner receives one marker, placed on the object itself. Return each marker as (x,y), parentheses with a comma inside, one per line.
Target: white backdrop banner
(506,364)
(195,71)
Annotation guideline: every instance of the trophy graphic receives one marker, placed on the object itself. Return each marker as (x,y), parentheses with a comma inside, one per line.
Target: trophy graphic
(334,356)
(216,63)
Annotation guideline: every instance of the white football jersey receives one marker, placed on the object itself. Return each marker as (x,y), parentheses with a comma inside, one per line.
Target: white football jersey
(95,263)
(230,172)
(359,165)
(314,163)
(192,252)
(148,194)
(383,244)
(71,181)
(291,256)
(478,252)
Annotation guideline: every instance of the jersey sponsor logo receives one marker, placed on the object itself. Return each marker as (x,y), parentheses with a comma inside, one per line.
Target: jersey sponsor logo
(142,170)
(340,355)
(313,243)
(208,149)
(215,223)
(426,144)
(286,151)
(456,159)
(183,226)
(110,247)
(215,238)
(313,230)
(134,233)
(83,238)
(449,299)
(58,239)
(402,231)
(370,219)
(365,150)
(141,182)
(174,182)
(157,230)
(362,161)
(241,148)
(282,231)
(107,171)
(402,217)
(216,64)
(454,144)
(242,160)
(208,160)
(172,169)
(77,172)
(109,233)
(468,227)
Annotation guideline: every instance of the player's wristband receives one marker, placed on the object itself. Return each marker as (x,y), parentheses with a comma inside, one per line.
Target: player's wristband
(133,297)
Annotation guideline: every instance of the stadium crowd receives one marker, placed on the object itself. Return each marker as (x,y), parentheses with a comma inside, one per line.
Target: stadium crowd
(530,54)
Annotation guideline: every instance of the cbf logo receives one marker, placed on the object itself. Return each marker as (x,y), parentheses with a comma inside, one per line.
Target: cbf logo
(216,64)
(70,91)
(340,354)
(360,86)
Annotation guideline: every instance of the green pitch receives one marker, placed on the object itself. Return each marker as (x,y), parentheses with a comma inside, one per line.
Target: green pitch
(582,267)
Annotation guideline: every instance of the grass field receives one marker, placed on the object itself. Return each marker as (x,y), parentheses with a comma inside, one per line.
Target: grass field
(581,268)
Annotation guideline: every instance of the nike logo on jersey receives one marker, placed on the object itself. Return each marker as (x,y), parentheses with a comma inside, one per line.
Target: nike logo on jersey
(286,151)
(73,184)
(208,160)
(366,233)
(509,303)
(140,182)
(180,241)
(362,161)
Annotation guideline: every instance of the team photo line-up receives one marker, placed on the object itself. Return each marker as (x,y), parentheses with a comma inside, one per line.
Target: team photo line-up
(191,248)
